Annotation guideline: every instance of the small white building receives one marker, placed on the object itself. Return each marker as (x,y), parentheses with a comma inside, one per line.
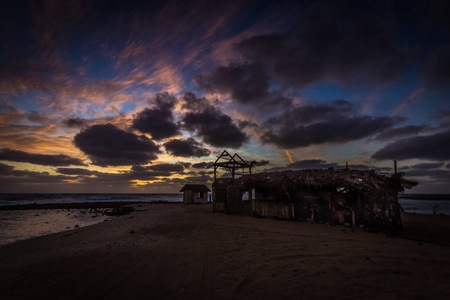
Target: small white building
(195,193)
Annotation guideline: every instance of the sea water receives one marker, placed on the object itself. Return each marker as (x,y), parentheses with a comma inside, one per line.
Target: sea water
(425,206)
(24,199)
(16,225)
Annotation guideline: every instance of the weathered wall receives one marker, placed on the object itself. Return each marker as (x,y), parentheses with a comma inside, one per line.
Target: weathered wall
(380,211)
(274,209)
(203,199)
(342,196)
(235,204)
(191,197)
(188,197)
(219,195)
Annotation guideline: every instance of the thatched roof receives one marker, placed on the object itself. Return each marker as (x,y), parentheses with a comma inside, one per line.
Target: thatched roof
(195,188)
(346,178)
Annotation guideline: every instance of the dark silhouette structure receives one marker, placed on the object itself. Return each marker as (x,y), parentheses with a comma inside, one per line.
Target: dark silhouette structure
(195,193)
(234,164)
(345,196)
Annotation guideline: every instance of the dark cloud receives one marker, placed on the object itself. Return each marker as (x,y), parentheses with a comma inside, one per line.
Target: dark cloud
(126,176)
(261,163)
(10,177)
(76,171)
(211,124)
(442,115)
(186,148)
(166,184)
(382,169)
(201,179)
(147,175)
(309,113)
(184,164)
(321,123)
(359,167)
(138,168)
(246,124)
(35,117)
(437,175)
(427,166)
(192,103)
(108,145)
(176,181)
(137,172)
(39,159)
(178,168)
(203,173)
(433,147)
(436,68)
(6,169)
(347,42)
(164,169)
(29,178)
(430,170)
(404,131)
(203,165)
(323,164)
(311,164)
(448,166)
(8,108)
(245,83)
(404,168)
(75,122)
(159,120)
(369,167)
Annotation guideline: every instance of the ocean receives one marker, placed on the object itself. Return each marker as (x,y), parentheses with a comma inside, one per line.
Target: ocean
(26,199)
(425,206)
(16,225)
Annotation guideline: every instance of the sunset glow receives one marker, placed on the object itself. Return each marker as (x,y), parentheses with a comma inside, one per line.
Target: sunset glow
(138,96)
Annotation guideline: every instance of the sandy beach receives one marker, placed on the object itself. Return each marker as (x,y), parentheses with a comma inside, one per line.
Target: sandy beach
(174,251)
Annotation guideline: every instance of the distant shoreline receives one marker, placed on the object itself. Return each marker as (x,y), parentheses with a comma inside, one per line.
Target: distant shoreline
(79,205)
(425,196)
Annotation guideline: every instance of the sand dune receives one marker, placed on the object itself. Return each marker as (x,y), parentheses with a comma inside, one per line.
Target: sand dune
(189,252)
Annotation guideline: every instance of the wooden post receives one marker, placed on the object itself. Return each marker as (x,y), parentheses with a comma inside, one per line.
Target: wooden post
(353,219)
(395,166)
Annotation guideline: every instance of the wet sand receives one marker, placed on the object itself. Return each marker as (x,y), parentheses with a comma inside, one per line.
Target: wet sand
(188,252)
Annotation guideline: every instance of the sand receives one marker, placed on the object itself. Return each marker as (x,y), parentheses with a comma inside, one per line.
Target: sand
(178,251)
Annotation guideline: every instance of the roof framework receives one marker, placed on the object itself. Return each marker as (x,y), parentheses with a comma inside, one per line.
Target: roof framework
(234,164)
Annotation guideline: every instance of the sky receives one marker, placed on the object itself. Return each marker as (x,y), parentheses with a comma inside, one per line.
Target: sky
(142,96)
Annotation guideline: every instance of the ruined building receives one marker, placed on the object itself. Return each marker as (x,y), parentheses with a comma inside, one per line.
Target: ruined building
(335,196)
(195,193)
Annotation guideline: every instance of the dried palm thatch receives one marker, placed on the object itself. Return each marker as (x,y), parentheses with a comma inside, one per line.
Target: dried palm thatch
(367,181)
(326,195)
